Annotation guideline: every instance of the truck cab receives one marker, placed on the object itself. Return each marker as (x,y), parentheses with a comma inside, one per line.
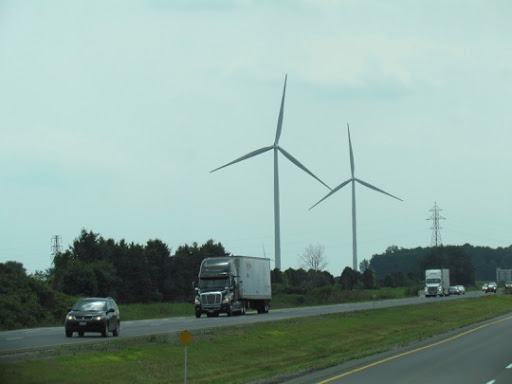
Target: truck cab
(437,282)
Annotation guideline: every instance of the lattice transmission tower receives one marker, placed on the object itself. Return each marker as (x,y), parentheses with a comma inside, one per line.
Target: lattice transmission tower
(436,228)
(56,247)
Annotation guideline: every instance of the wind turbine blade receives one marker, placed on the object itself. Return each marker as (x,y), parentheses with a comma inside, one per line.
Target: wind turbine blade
(333,192)
(280,120)
(299,164)
(351,153)
(375,188)
(251,154)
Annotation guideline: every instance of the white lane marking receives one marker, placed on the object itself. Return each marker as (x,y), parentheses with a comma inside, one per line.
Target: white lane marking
(508,366)
(491,382)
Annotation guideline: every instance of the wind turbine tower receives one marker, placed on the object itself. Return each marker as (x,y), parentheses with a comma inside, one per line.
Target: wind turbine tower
(436,228)
(353,180)
(277,149)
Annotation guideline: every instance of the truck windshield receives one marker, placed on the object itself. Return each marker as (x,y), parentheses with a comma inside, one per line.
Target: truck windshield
(433,281)
(214,283)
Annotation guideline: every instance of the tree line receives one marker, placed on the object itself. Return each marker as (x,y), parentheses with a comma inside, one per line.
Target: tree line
(134,273)
(467,263)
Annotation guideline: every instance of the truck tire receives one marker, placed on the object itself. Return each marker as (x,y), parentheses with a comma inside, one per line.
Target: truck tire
(263,306)
(198,315)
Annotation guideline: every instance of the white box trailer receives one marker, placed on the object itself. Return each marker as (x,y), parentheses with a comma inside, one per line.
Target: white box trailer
(437,282)
(253,278)
(233,284)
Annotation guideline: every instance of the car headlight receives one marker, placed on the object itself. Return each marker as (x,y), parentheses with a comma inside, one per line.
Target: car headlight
(69,317)
(99,318)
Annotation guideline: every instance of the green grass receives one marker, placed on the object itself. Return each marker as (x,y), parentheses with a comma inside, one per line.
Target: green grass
(246,353)
(155,310)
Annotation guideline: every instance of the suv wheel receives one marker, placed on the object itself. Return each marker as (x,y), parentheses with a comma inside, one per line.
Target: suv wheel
(116,331)
(69,333)
(104,333)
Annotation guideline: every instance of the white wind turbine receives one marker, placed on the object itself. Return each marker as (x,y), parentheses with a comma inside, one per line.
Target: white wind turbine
(352,180)
(277,149)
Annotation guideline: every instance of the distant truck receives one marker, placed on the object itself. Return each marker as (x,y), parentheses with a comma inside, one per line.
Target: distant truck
(437,282)
(233,284)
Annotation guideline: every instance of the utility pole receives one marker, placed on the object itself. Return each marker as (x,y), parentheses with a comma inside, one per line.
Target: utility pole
(436,228)
(56,247)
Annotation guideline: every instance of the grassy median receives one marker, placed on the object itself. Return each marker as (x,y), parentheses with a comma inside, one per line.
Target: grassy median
(247,353)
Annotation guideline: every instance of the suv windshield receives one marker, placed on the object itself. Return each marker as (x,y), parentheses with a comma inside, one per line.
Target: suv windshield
(91,305)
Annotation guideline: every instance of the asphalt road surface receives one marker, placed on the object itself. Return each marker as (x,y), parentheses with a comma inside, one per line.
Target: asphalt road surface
(40,338)
(479,354)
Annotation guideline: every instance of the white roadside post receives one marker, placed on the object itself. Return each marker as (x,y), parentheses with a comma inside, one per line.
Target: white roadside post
(185,338)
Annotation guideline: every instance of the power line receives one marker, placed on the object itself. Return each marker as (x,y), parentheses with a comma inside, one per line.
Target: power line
(436,228)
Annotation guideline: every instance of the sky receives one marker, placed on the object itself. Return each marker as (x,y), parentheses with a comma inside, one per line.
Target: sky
(113,114)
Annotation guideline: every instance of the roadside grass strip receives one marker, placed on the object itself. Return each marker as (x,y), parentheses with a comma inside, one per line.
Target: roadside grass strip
(246,353)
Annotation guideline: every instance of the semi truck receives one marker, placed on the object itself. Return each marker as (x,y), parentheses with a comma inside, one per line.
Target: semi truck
(232,285)
(437,282)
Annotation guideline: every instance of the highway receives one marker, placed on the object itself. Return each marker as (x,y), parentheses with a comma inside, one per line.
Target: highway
(479,354)
(39,338)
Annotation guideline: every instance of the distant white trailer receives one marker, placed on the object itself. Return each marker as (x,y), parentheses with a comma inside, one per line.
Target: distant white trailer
(437,282)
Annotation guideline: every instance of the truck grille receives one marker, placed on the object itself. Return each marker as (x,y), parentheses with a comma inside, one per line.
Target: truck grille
(432,290)
(211,300)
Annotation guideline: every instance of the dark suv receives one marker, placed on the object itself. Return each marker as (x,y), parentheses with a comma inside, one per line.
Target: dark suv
(93,314)
(491,287)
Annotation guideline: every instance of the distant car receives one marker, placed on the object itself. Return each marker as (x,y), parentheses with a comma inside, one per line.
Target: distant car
(462,289)
(491,287)
(508,284)
(93,314)
(484,287)
(454,290)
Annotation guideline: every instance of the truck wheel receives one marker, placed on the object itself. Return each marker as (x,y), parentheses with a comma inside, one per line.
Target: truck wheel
(198,314)
(263,307)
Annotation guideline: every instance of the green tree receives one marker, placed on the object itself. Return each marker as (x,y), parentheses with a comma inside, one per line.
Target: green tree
(369,279)
(26,301)
(349,279)
(455,259)
(364,265)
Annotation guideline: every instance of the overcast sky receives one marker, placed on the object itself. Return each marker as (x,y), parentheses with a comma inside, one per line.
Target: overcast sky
(113,114)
